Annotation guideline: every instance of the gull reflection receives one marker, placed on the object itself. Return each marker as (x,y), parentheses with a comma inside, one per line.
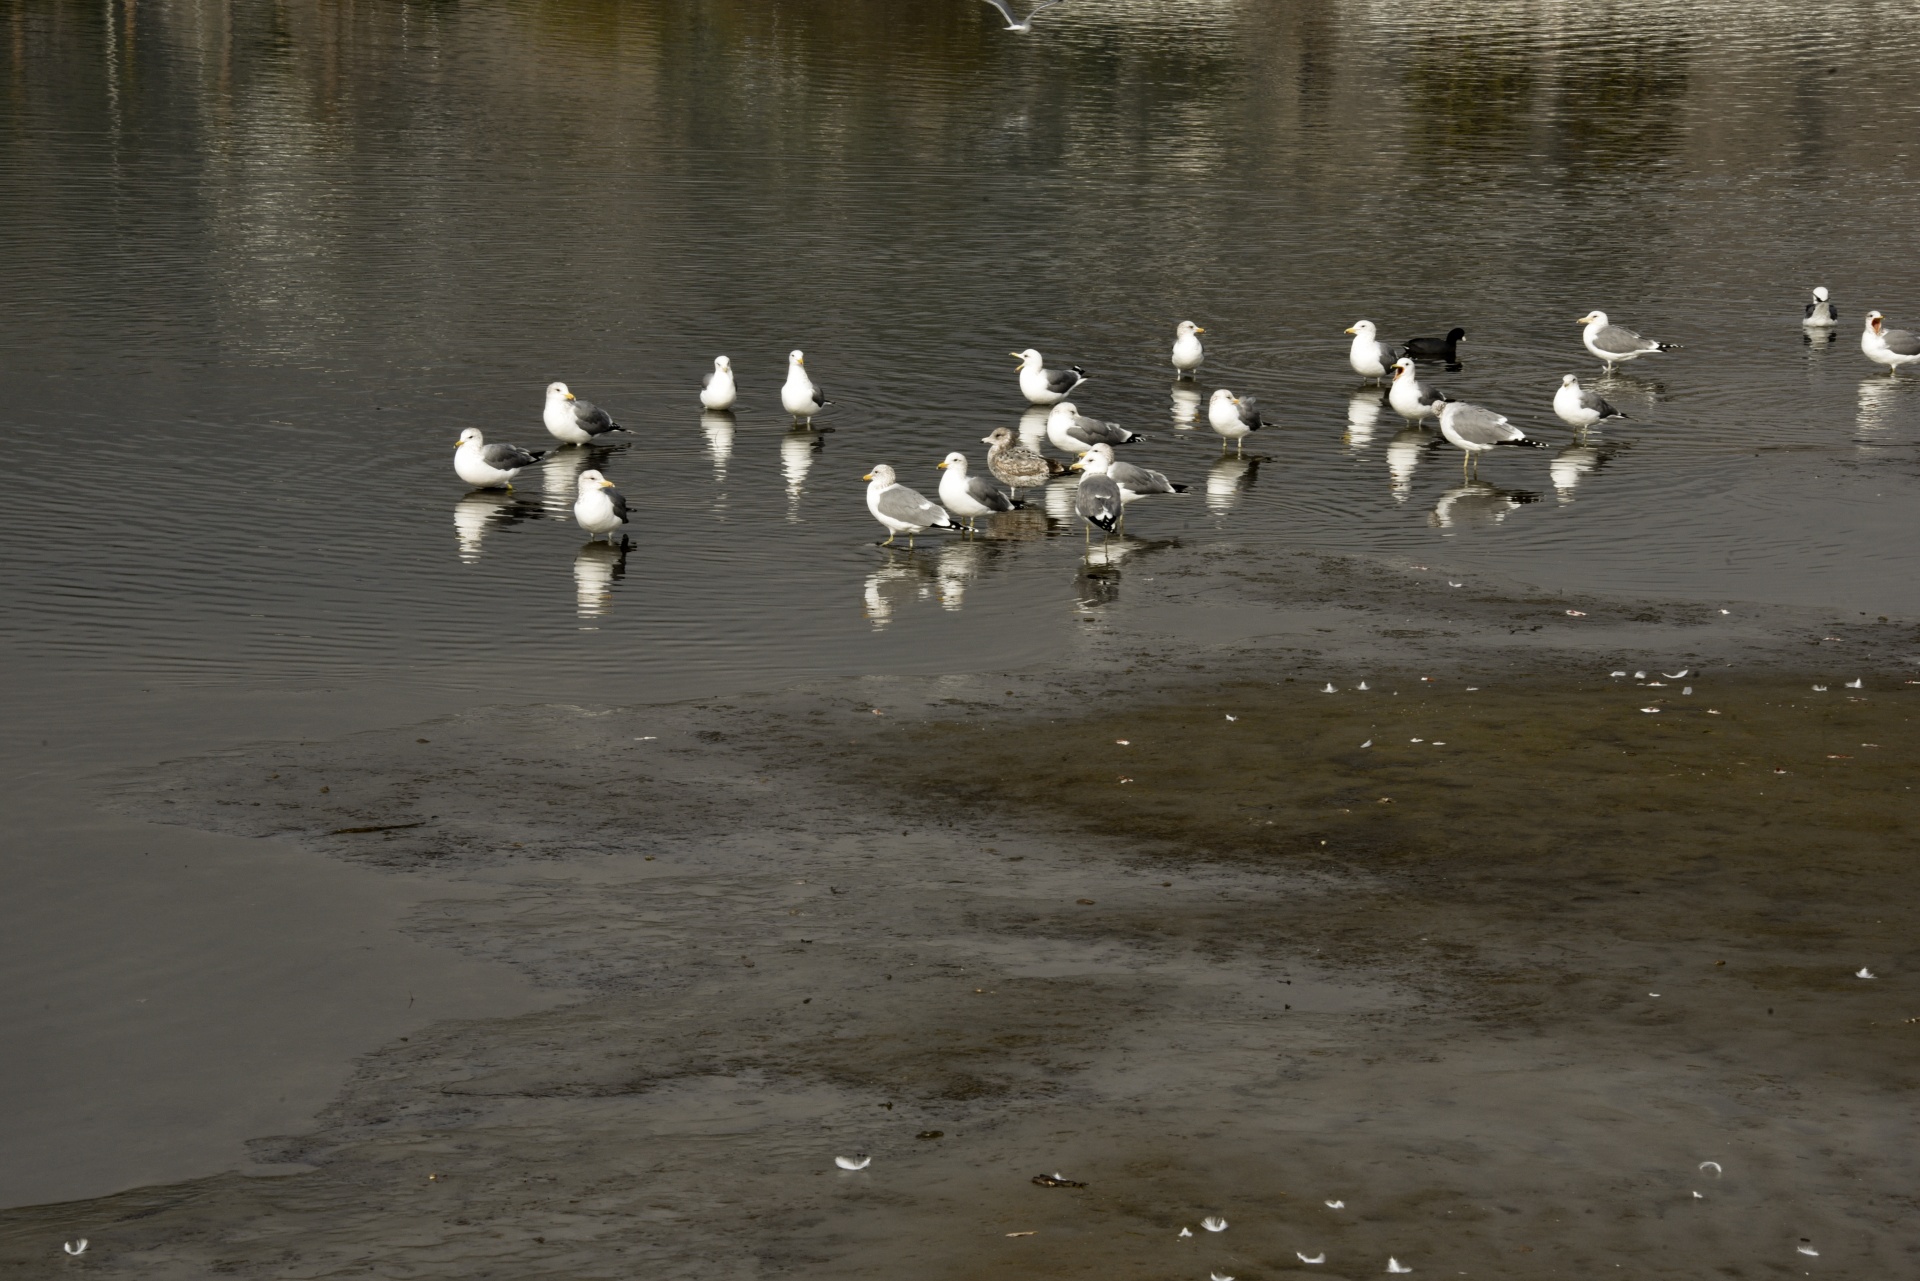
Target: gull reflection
(718,426)
(1403,456)
(596,568)
(1186,405)
(560,477)
(797,449)
(1059,496)
(1363,417)
(904,577)
(1020,526)
(1576,462)
(960,563)
(1033,429)
(1229,474)
(483,509)
(1477,505)
(1877,399)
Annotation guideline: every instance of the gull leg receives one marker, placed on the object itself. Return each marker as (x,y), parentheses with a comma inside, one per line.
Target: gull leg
(891,535)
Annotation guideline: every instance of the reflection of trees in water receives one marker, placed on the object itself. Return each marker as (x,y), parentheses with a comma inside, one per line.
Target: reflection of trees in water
(1462,90)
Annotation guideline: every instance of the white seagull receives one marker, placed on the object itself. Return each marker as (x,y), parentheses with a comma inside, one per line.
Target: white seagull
(1579,408)
(600,508)
(1022,25)
(1410,398)
(798,395)
(859,1162)
(969,496)
(1234,417)
(900,509)
(1612,343)
(1890,347)
(572,419)
(1135,482)
(487,466)
(716,389)
(1071,432)
(1043,386)
(1370,357)
(1475,430)
(1186,348)
(1821,313)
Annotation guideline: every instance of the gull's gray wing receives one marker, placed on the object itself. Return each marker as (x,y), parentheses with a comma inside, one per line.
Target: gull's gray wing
(592,419)
(1901,342)
(619,501)
(706,379)
(1141,480)
(508,457)
(1479,426)
(981,490)
(1004,11)
(1595,401)
(1618,338)
(1065,380)
(1099,433)
(909,508)
(1388,353)
(1037,8)
(1250,413)
(1098,501)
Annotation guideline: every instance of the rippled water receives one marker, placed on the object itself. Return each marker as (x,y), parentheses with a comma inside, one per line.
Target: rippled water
(262,265)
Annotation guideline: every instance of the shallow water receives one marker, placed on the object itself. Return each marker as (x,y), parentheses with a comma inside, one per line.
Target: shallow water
(263,264)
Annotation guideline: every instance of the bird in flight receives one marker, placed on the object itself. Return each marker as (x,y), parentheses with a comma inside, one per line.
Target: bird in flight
(1022,25)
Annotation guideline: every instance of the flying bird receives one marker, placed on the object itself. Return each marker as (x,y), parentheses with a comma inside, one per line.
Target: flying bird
(1022,25)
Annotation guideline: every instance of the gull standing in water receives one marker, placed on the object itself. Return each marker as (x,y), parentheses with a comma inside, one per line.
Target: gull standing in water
(1370,357)
(487,466)
(1098,500)
(1043,386)
(1411,399)
(1071,432)
(1022,25)
(1234,417)
(900,509)
(1579,408)
(574,420)
(716,389)
(1890,347)
(1135,482)
(969,496)
(1611,342)
(1186,348)
(1475,430)
(1016,465)
(600,508)
(798,395)
(1821,313)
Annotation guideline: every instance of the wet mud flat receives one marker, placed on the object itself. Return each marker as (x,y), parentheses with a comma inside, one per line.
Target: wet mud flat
(927,921)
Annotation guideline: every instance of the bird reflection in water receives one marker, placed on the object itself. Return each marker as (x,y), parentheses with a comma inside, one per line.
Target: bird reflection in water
(1363,417)
(486,509)
(1059,501)
(560,477)
(1227,478)
(961,561)
(1477,505)
(1186,405)
(1021,526)
(797,450)
(596,568)
(1574,464)
(1404,452)
(717,424)
(906,576)
(1878,396)
(1033,429)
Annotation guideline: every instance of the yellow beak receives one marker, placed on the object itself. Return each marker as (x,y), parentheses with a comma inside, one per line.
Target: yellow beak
(942,467)
(1350,329)
(570,396)
(1017,356)
(1198,330)
(606,484)
(868,476)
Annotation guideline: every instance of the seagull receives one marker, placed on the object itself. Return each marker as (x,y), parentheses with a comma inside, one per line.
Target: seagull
(1023,25)
(1043,386)
(798,395)
(1821,313)
(1016,465)
(487,466)
(900,509)
(1134,482)
(75,1248)
(1409,398)
(859,1162)
(1437,348)
(1476,430)
(1072,433)
(1370,357)
(969,496)
(1235,418)
(1863,973)
(1613,343)
(716,389)
(1318,1258)
(1186,348)
(1098,500)
(1579,408)
(573,420)
(1214,1223)
(1890,347)
(1394,1265)
(1185,1233)
(600,508)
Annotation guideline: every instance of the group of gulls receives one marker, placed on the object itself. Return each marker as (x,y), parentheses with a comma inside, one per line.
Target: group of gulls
(1107,483)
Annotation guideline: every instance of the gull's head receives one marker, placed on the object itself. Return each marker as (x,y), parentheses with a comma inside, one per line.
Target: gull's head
(590,480)
(880,475)
(1064,409)
(1874,320)
(1592,318)
(998,436)
(472,436)
(796,357)
(558,391)
(1362,328)
(1027,357)
(1220,396)
(1188,329)
(722,364)
(1102,455)
(1819,293)
(1568,380)
(1404,365)
(955,460)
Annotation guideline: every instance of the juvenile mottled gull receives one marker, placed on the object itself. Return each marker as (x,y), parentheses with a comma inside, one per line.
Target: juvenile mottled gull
(1186,348)
(1043,386)
(716,389)
(1370,357)
(1071,431)
(1135,482)
(1235,418)
(1437,348)
(574,420)
(1475,430)
(487,466)
(1579,408)
(600,508)
(1411,398)
(969,496)
(1022,25)
(1015,464)
(1612,343)
(1890,347)
(798,395)
(1821,313)
(900,509)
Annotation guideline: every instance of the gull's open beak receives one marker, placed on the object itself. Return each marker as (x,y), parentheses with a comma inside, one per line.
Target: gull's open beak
(1019,356)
